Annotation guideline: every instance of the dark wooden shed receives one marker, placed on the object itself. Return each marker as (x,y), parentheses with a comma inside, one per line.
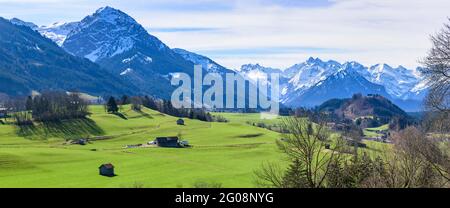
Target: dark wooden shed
(106,170)
(180,122)
(167,141)
(3,112)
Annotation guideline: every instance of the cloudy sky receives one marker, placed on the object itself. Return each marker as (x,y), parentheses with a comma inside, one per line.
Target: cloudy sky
(276,33)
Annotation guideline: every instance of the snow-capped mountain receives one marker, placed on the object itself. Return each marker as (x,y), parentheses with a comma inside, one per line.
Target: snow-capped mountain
(343,83)
(58,31)
(107,33)
(397,81)
(255,72)
(314,80)
(118,43)
(257,68)
(208,64)
(418,92)
(305,75)
(20,22)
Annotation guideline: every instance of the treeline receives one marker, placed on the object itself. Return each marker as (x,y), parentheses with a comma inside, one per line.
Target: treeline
(164,106)
(48,106)
(53,106)
(59,105)
(320,115)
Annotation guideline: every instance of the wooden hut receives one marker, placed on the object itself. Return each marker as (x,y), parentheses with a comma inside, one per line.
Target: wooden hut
(180,122)
(167,142)
(106,170)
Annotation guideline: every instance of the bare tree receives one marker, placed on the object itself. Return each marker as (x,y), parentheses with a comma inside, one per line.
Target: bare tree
(304,144)
(270,175)
(437,71)
(418,160)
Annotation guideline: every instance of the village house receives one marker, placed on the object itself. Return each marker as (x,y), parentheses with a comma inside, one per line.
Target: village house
(106,170)
(167,142)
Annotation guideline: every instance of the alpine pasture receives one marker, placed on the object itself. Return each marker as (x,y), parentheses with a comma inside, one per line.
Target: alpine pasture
(224,154)
(221,153)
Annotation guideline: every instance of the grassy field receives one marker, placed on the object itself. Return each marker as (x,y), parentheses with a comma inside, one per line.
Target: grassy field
(225,153)
(249,118)
(372,132)
(380,128)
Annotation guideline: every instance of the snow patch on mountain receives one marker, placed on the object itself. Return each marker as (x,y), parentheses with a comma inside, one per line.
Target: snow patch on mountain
(126,71)
(255,72)
(58,31)
(140,57)
(38,48)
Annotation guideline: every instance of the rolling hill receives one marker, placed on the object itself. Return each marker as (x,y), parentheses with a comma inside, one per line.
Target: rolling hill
(225,153)
(364,106)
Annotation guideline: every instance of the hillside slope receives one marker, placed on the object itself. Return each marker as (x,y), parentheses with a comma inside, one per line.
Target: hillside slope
(363,106)
(29,62)
(39,156)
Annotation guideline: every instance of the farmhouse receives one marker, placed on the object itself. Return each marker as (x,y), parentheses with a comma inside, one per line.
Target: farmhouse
(180,122)
(106,170)
(167,142)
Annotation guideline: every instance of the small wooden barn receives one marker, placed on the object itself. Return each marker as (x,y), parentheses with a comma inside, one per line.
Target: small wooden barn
(80,142)
(180,122)
(167,141)
(106,170)
(3,112)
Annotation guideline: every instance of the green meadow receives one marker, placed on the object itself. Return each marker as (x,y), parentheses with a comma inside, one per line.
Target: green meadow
(221,153)
(372,132)
(225,153)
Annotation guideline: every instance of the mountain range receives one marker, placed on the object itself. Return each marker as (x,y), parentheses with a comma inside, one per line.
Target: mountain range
(113,43)
(314,81)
